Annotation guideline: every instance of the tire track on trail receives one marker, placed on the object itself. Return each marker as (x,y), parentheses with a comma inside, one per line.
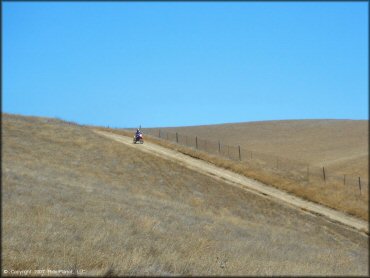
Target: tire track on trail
(243,182)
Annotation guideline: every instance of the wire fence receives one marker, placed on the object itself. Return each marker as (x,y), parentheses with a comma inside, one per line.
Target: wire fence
(292,169)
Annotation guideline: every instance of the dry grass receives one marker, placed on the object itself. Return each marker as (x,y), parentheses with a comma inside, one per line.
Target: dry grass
(340,145)
(332,193)
(75,200)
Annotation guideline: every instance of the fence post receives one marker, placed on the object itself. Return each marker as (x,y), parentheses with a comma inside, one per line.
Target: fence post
(159,135)
(359,183)
(167,135)
(186,140)
(177,138)
(344,179)
(277,163)
(228,151)
(219,147)
(196,142)
(240,156)
(323,172)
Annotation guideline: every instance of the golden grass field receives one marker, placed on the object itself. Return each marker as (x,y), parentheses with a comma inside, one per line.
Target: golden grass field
(72,199)
(340,145)
(332,193)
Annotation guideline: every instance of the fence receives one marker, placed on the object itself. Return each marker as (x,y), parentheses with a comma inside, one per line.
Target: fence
(292,169)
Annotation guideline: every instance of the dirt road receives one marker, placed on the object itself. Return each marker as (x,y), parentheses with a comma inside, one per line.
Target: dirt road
(242,182)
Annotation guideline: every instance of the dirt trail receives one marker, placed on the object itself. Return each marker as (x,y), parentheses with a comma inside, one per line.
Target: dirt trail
(242,182)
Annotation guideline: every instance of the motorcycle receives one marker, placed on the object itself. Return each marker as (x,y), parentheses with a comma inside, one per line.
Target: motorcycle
(138,138)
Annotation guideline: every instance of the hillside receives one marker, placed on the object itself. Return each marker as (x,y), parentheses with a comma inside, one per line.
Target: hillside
(75,200)
(341,145)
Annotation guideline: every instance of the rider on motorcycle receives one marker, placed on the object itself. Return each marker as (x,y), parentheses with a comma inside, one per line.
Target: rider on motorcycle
(138,137)
(138,133)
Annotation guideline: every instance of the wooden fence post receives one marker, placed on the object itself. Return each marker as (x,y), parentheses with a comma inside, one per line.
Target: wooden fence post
(159,133)
(228,151)
(177,138)
(240,156)
(323,172)
(344,179)
(359,183)
(219,147)
(167,135)
(196,142)
(277,163)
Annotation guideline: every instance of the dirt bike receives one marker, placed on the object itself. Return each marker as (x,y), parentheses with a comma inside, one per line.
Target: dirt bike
(138,138)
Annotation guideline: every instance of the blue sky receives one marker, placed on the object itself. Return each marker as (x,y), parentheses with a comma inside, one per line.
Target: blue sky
(184,63)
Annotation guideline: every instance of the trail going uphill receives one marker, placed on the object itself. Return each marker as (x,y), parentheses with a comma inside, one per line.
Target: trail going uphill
(242,182)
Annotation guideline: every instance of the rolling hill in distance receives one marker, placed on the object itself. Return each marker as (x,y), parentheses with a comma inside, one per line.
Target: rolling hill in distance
(72,199)
(340,145)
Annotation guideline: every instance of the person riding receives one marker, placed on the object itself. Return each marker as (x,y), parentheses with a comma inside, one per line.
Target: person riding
(138,133)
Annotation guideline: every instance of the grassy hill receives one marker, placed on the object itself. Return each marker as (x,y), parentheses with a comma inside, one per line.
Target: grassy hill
(72,199)
(341,145)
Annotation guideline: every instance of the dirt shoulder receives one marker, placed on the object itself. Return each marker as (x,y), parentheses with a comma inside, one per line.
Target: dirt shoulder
(242,182)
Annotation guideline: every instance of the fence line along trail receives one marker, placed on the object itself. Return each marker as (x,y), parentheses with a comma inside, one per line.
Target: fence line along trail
(242,182)
(298,170)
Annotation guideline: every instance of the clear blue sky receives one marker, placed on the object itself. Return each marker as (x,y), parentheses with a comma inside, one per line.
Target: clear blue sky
(184,63)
